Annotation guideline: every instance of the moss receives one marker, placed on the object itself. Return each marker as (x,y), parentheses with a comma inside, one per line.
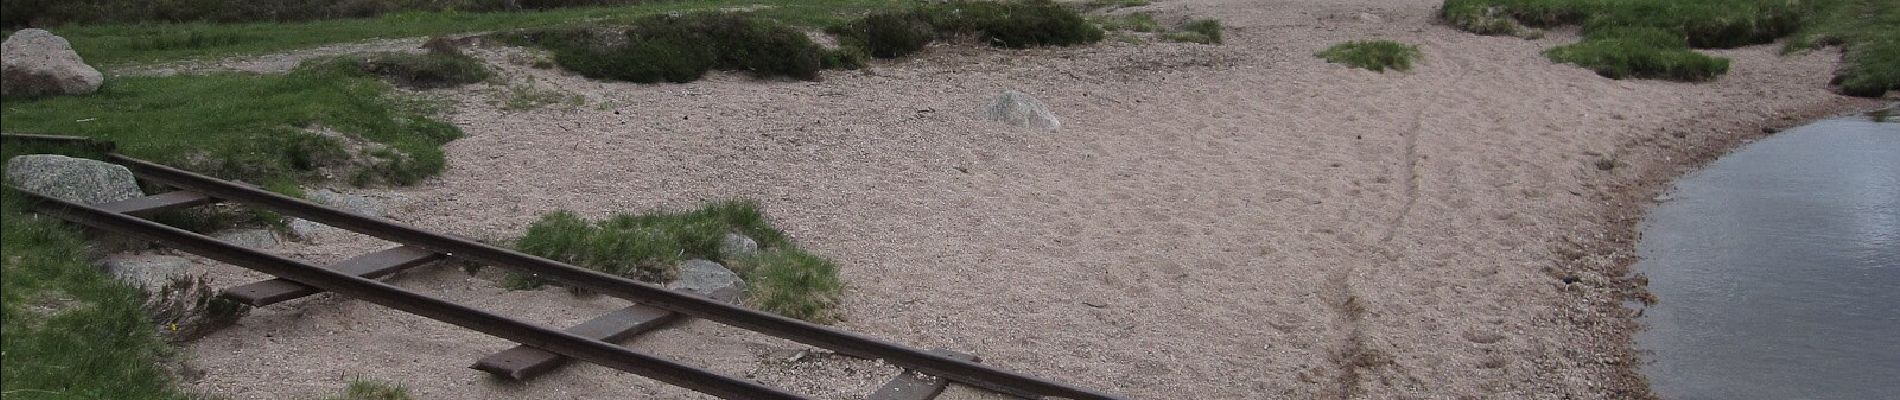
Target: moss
(1376,55)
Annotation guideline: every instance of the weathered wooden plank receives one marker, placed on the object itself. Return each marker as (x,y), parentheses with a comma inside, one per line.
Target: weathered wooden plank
(913,385)
(523,362)
(149,205)
(372,265)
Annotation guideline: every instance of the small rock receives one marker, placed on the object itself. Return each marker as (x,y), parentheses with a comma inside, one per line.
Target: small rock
(355,204)
(1016,108)
(150,271)
(709,279)
(76,180)
(303,229)
(34,62)
(249,238)
(737,246)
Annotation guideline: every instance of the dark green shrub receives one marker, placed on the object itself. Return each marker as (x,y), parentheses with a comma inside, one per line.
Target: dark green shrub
(888,34)
(847,57)
(682,48)
(1640,53)
(645,61)
(1376,55)
(1014,24)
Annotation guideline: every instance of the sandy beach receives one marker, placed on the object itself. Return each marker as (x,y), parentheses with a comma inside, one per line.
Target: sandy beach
(1232,221)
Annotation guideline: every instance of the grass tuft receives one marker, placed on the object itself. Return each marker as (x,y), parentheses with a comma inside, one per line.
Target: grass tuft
(1204,31)
(781,279)
(442,66)
(1640,53)
(372,390)
(1376,55)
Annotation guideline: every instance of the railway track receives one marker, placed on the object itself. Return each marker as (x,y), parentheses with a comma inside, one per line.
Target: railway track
(543,347)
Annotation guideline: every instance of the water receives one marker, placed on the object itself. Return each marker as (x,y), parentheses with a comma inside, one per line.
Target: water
(1777,270)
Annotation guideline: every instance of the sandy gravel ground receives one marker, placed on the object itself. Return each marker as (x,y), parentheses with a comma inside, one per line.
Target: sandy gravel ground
(1211,222)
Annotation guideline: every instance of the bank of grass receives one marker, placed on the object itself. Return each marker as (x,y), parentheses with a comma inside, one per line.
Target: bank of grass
(71,332)
(258,128)
(1622,35)
(683,47)
(1008,24)
(1648,53)
(111,44)
(780,278)
(1375,55)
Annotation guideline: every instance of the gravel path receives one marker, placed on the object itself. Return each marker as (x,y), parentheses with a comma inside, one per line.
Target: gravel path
(1211,222)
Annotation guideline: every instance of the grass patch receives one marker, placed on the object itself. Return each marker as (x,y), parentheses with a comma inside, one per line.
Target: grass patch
(71,332)
(1376,55)
(1869,29)
(1136,22)
(444,65)
(1640,53)
(263,129)
(110,44)
(682,48)
(52,13)
(1012,24)
(1203,31)
(1114,4)
(361,389)
(781,278)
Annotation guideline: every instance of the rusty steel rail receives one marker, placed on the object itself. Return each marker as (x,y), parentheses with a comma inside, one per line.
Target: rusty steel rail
(924,361)
(598,352)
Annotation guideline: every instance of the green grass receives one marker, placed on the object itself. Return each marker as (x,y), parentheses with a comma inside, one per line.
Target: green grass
(119,44)
(71,332)
(1640,53)
(443,65)
(681,48)
(1376,55)
(1869,29)
(250,127)
(362,389)
(1011,24)
(1114,4)
(1137,22)
(1203,31)
(780,279)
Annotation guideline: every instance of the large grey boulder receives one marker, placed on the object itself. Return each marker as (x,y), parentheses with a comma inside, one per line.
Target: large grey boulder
(34,62)
(77,180)
(709,279)
(1016,108)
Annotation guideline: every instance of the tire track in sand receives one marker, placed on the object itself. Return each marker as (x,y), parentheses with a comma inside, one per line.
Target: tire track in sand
(1351,357)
